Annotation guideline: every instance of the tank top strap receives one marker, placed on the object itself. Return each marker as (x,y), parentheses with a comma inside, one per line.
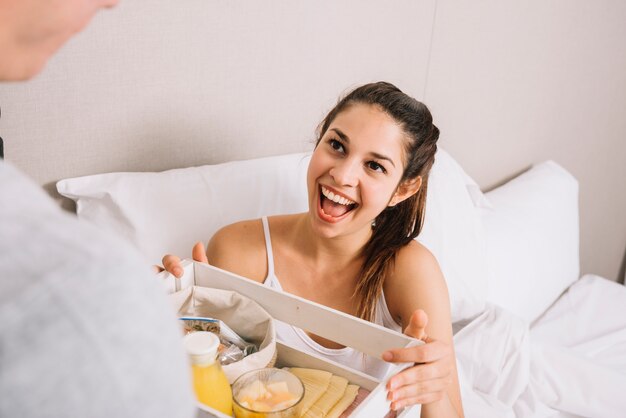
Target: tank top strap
(383,316)
(268,247)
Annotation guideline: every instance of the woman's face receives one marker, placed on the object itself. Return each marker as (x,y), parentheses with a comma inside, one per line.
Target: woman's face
(355,170)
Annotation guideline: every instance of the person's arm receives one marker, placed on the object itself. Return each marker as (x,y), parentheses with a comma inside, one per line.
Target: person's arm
(417,296)
(238,248)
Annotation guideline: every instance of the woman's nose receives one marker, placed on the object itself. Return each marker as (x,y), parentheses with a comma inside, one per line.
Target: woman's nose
(345,173)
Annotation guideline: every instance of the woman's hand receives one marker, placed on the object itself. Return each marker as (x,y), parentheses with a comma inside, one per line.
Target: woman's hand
(429,380)
(171,263)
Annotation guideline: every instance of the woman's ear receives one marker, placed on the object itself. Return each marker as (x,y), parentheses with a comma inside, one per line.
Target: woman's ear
(405,190)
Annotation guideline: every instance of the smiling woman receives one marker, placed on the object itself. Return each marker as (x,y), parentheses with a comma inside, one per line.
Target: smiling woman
(354,250)
(361,170)
(397,144)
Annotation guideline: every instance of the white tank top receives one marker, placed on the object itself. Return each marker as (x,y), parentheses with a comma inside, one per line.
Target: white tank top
(297,338)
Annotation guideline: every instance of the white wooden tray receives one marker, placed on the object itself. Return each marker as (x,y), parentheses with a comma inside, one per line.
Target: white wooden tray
(328,323)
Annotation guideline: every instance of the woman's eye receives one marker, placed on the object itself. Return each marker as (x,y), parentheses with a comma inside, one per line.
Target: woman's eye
(373,165)
(336,145)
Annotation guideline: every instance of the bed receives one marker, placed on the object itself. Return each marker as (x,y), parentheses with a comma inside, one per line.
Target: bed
(216,87)
(533,339)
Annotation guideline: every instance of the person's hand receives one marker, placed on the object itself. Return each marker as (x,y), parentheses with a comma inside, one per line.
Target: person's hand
(432,375)
(171,263)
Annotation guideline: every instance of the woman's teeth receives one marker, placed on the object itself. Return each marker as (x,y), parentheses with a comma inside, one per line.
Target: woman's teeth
(336,198)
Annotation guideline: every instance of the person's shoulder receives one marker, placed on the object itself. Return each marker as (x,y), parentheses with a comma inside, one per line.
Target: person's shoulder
(241,235)
(44,242)
(240,249)
(415,258)
(21,195)
(82,279)
(415,281)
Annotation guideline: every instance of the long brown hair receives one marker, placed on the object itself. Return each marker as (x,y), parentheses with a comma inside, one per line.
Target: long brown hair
(397,225)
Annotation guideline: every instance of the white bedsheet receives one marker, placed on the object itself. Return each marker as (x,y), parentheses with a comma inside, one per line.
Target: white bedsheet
(570,362)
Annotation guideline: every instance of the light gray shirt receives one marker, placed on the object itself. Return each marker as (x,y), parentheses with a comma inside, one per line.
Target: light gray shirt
(85,328)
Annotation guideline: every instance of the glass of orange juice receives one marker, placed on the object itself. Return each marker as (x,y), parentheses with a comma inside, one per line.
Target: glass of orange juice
(267,393)
(209,381)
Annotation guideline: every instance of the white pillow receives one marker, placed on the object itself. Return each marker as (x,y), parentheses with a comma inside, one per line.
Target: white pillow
(454,234)
(168,212)
(532,239)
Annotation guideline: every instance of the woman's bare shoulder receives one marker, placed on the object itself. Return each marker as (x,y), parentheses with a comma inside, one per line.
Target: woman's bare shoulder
(416,258)
(416,282)
(240,249)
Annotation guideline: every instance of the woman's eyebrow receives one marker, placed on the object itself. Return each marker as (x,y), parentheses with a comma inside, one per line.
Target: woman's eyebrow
(382,157)
(376,155)
(341,135)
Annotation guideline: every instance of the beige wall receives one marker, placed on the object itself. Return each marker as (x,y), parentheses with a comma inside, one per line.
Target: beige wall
(513,83)
(156,84)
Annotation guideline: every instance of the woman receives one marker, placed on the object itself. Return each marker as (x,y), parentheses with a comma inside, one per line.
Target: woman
(354,249)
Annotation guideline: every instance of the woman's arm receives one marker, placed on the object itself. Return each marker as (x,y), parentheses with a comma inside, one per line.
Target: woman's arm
(417,296)
(238,248)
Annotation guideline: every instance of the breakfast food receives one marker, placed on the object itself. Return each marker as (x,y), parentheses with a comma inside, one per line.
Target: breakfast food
(326,395)
(196,323)
(232,347)
(209,381)
(336,389)
(361,394)
(316,382)
(346,400)
(265,393)
(270,397)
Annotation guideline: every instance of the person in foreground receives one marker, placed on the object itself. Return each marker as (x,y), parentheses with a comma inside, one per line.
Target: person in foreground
(85,331)
(354,250)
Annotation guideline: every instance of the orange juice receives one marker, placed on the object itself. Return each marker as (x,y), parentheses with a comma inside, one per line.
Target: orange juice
(209,381)
(212,387)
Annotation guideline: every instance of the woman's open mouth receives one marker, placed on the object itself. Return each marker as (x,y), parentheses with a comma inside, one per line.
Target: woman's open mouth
(333,205)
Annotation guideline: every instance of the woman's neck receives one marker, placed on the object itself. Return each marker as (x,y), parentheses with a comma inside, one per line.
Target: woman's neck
(329,253)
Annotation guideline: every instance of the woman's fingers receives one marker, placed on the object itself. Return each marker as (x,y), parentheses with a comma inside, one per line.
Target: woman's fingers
(425,382)
(157,269)
(421,399)
(171,263)
(431,351)
(419,388)
(420,373)
(420,384)
(198,253)
(417,325)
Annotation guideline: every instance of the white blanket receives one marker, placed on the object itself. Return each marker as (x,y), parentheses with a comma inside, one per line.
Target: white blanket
(570,362)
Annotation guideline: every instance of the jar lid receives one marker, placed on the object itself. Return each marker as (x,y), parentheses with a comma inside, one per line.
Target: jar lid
(201,346)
